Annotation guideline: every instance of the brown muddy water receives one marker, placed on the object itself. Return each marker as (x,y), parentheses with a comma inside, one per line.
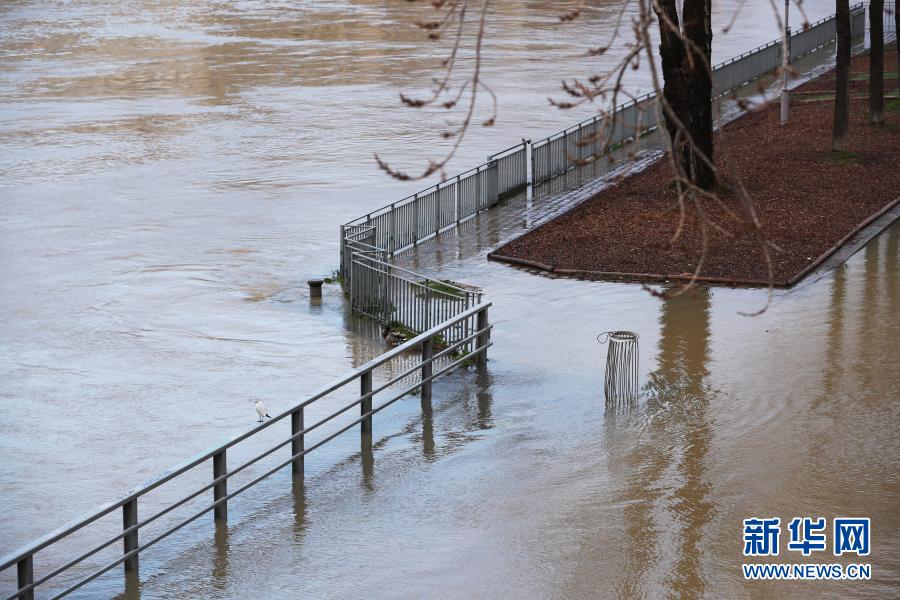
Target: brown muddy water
(170,174)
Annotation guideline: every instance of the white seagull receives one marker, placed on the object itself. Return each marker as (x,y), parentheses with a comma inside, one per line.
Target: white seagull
(261,411)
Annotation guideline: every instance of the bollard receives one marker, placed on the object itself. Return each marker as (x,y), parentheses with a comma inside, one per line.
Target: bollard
(220,490)
(130,519)
(297,442)
(315,288)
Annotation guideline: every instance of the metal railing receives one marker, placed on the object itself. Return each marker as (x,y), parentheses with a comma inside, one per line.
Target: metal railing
(402,225)
(890,24)
(512,169)
(560,152)
(369,241)
(390,294)
(434,362)
(556,154)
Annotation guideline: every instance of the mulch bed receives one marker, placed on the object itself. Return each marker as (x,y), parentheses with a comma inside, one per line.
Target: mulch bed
(808,199)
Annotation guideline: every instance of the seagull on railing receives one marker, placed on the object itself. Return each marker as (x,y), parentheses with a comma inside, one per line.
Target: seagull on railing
(261,411)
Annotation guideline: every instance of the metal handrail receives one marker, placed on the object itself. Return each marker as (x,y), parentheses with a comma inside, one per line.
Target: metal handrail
(412,197)
(516,147)
(414,278)
(364,371)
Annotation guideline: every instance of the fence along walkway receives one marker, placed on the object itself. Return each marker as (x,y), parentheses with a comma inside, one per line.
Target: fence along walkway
(388,293)
(560,152)
(401,225)
(431,365)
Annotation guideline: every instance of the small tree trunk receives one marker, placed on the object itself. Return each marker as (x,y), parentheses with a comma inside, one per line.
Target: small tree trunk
(842,88)
(876,62)
(688,87)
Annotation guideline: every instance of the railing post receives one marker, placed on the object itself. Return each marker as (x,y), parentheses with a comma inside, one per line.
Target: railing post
(25,572)
(220,490)
(343,265)
(483,338)
(478,178)
(458,195)
(393,236)
(427,307)
(427,368)
(418,219)
(365,387)
(130,519)
(437,212)
(297,466)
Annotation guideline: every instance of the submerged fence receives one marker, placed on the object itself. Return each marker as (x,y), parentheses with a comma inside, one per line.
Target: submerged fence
(435,361)
(390,294)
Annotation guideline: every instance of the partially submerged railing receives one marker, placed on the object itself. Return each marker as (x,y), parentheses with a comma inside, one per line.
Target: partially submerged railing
(404,224)
(434,362)
(556,154)
(512,169)
(390,294)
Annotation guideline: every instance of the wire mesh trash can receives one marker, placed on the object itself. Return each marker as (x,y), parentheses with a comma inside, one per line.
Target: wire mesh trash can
(621,381)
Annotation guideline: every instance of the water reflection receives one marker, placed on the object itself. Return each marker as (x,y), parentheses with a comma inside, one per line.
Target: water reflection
(835,351)
(132,586)
(367,462)
(221,554)
(666,497)
(301,518)
(428,447)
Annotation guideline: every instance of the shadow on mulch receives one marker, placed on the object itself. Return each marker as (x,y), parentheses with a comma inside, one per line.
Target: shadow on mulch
(808,199)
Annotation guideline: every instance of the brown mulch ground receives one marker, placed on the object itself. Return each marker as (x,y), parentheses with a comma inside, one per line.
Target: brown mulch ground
(807,197)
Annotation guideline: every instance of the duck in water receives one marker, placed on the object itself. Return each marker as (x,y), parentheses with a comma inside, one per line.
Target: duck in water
(392,338)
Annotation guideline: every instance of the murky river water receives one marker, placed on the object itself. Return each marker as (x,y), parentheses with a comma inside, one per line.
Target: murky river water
(171,174)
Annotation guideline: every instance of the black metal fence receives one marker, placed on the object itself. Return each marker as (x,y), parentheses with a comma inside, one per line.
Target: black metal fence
(433,363)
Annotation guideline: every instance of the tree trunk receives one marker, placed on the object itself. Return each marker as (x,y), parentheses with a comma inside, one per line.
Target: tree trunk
(876,62)
(688,86)
(842,88)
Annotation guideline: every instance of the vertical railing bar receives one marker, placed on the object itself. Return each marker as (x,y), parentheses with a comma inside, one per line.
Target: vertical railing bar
(297,466)
(220,490)
(129,520)
(365,406)
(25,576)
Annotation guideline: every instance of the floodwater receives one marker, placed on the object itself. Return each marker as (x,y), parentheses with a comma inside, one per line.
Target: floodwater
(172,172)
